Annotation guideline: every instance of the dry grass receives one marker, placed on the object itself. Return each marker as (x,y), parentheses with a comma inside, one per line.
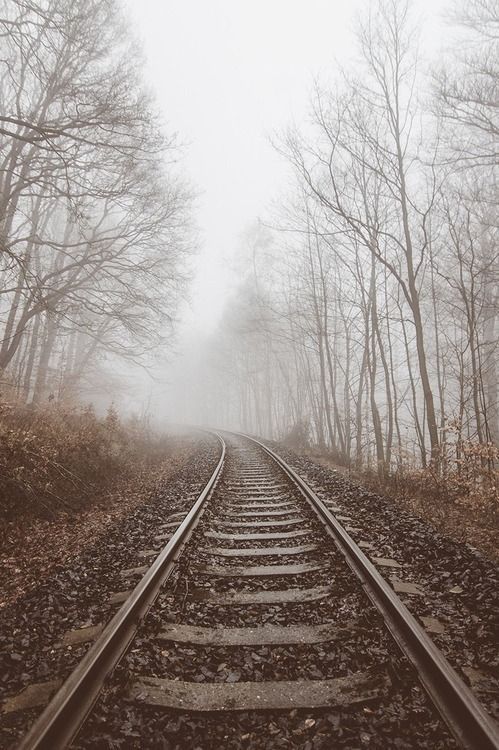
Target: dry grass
(56,459)
(52,542)
(463,508)
(461,502)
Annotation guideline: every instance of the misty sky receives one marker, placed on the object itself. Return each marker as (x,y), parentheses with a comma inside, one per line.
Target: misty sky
(227,75)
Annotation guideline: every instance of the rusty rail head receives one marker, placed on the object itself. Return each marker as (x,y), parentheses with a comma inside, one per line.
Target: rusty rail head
(466,718)
(61,720)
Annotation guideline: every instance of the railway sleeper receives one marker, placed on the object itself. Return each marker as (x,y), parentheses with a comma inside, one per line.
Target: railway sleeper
(361,687)
(258,570)
(272,596)
(258,551)
(264,635)
(262,524)
(260,536)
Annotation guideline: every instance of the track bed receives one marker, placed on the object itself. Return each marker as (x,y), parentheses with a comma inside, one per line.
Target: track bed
(261,636)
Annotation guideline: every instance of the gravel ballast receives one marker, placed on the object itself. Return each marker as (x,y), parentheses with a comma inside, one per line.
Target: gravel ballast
(400,718)
(456,592)
(76,593)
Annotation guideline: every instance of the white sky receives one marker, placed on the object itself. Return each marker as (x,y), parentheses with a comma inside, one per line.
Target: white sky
(227,74)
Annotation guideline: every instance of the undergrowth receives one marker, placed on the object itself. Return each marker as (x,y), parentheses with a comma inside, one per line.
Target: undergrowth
(466,479)
(459,496)
(59,458)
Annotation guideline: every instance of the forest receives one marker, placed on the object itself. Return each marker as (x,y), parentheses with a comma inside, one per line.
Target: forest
(249,374)
(94,216)
(366,322)
(95,229)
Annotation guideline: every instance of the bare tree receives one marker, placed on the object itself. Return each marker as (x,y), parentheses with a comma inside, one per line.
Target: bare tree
(94,223)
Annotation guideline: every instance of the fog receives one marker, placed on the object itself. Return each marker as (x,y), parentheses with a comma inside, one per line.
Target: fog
(229,77)
(274,217)
(249,269)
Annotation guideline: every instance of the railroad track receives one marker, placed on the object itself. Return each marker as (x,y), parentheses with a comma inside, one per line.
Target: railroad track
(261,581)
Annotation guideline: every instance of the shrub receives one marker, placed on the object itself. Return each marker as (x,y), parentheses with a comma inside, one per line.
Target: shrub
(58,458)
(465,479)
(298,436)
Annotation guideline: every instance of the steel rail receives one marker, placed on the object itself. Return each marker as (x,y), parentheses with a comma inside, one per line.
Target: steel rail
(61,720)
(466,718)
